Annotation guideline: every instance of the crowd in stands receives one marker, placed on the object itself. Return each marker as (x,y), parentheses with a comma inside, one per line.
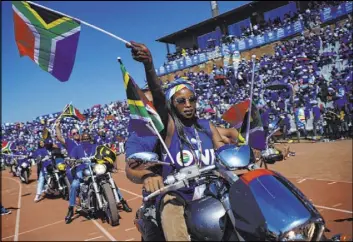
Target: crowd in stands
(310,17)
(318,69)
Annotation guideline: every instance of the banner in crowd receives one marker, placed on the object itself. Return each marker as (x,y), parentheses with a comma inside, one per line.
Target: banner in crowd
(330,13)
(228,50)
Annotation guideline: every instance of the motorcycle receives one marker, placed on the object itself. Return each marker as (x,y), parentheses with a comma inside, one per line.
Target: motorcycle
(24,169)
(258,205)
(97,192)
(55,180)
(20,166)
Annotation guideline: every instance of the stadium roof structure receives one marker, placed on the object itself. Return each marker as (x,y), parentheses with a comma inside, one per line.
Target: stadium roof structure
(226,18)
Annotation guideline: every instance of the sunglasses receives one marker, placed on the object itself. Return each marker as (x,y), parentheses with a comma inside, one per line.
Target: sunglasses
(75,133)
(183,100)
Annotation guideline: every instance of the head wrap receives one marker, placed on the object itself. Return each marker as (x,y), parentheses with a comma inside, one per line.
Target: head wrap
(176,86)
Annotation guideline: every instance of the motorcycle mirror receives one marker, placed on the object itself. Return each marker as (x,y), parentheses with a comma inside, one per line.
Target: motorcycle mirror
(144,157)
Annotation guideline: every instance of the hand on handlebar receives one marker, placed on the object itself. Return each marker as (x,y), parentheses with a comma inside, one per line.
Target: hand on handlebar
(154,183)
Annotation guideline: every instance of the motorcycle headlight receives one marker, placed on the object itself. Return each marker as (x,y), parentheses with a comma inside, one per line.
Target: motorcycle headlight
(24,165)
(86,172)
(61,167)
(100,169)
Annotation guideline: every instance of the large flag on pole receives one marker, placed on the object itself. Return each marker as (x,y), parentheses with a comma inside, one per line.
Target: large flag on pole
(48,38)
(71,111)
(140,108)
(237,116)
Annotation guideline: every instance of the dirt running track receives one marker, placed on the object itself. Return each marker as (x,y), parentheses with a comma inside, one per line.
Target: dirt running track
(322,171)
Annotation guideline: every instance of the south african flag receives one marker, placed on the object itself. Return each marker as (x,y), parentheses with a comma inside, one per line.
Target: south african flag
(71,111)
(140,107)
(48,38)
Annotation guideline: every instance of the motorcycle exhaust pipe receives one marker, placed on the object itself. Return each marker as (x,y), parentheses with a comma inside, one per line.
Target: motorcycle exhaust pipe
(57,178)
(114,188)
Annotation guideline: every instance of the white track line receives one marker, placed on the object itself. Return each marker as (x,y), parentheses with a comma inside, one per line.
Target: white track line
(93,238)
(334,209)
(327,180)
(130,239)
(28,231)
(130,229)
(130,192)
(104,231)
(337,205)
(18,208)
(302,180)
(331,183)
(131,199)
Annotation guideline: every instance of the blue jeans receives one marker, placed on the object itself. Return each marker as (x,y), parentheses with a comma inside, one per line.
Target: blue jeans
(73,188)
(40,184)
(75,185)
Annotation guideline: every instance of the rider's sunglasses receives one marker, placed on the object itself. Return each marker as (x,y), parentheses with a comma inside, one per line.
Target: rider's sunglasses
(75,133)
(183,100)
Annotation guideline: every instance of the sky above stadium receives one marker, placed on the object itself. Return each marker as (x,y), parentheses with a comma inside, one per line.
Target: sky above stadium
(28,92)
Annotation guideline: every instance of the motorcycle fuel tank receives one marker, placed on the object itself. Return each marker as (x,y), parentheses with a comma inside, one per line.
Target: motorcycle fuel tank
(264,207)
(205,219)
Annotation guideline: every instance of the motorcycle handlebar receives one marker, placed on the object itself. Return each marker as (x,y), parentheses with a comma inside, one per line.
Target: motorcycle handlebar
(176,184)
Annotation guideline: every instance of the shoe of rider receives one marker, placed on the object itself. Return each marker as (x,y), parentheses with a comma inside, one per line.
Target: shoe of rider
(126,207)
(70,214)
(37,198)
(5,211)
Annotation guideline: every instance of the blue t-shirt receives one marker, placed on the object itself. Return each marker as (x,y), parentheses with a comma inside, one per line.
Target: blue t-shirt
(84,149)
(135,144)
(207,156)
(71,144)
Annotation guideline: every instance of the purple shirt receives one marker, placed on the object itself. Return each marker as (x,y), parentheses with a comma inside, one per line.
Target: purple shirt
(84,149)
(70,144)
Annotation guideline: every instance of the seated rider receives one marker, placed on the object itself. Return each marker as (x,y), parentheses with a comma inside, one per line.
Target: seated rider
(85,149)
(190,141)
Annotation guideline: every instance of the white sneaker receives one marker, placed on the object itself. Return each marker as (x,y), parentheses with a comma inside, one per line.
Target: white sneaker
(37,198)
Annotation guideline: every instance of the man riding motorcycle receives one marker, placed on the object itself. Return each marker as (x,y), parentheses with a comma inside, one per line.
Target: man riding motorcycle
(85,149)
(42,152)
(185,135)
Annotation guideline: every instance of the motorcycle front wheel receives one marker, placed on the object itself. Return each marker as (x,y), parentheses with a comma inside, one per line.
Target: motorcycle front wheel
(25,177)
(112,212)
(66,192)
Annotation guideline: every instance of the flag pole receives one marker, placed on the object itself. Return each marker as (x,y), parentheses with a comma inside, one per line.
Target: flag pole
(83,22)
(162,141)
(60,114)
(251,95)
